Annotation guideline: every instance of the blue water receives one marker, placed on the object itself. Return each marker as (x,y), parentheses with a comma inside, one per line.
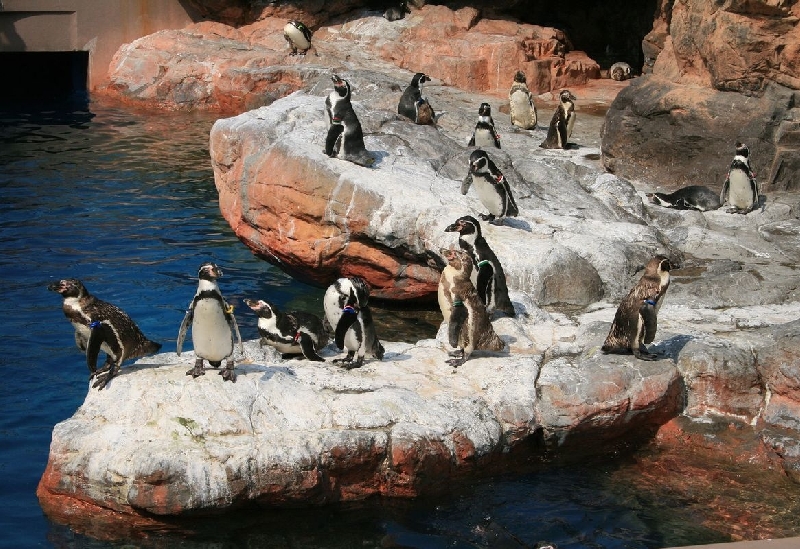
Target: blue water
(126,202)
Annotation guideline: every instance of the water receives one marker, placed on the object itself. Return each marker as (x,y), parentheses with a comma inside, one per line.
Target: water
(126,202)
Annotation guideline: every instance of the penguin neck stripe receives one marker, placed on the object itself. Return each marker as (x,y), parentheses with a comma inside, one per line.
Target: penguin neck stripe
(482,263)
(458,303)
(349,310)
(95,324)
(650,302)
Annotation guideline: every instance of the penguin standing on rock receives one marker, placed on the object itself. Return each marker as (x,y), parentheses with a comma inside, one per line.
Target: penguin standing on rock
(484,134)
(740,189)
(345,137)
(635,321)
(487,273)
(101,326)
(298,36)
(492,187)
(213,325)
(412,105)
(468,325)
(520,101)
(293,333)
(562,123)
(348,315)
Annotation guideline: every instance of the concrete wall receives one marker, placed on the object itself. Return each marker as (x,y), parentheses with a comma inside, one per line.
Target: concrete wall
(97,26)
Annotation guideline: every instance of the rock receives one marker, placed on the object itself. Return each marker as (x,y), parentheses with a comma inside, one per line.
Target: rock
(216,67)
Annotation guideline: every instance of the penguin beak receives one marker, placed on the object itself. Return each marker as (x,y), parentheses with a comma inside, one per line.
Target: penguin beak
(55,286)
(453,228)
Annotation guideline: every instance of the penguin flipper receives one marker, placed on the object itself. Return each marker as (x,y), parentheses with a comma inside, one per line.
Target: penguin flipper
(334,133)
(234,326)
(187,319)
(458,316)
(466,183)
(307,346)
(484,282)
(98,335)
(649,319)
(723,194)
(345,321)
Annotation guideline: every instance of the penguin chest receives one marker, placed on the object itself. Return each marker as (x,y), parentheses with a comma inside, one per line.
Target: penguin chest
(570,120)
(211,335)
(484,137)
(444,294)
(740,192)
(521,111)
(490,196)
(283,341)
(296,37)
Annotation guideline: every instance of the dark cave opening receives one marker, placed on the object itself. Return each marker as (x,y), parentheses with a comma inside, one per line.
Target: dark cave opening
(51,75)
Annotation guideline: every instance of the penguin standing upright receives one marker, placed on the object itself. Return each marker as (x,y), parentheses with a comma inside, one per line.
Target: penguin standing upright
(562,123)
(298,36)
(345,137)
(492,187)
(635,321)
(412,105)
(487,274)
(520,102)
(291,333)
(99,325)
(740,189)
(213,325)
(348,315)
(468,325)
(484,134)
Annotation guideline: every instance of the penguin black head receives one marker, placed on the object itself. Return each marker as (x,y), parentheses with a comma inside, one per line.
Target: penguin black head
(359,291)
(485,109)
(657,265)
(420,78)
(263,309)
(341,86)
(465,225)
(520,77)
(478,161)
(209,271)
(566,96)
(69,287)
(742,150)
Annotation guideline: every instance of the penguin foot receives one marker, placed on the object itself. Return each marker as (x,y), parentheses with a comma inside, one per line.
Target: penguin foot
(644,354)
(353,364)
(487,217)
(103,376)
(456,362)
(228,374)
(197,370)
(497,221)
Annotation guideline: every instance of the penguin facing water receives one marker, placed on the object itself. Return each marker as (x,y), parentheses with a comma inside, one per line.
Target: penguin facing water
(562,123)
(412,105)
(345,138)
(492,186)
(99,325)
(291,333)
(521,106)
(213,325)
(487,274)
(740,189)
(298,36)
(484,134)
(635,321)
(347,314)
(468,325)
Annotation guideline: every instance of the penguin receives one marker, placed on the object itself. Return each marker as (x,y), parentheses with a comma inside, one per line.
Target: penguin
(492,187)
(692,197)
(213,325)
(620,71)
(484,134)
(468,325)
(291,333)
(487,273)
(412,102)
(101,326)
(345,137)
(635,321)
(521,106)
(298,36)
(740,189)
(347,314)
(562,123)
(395,13)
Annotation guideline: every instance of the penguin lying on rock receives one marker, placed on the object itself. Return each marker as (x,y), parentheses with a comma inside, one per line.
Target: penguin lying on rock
(692,197)
(484,134)
(348,315)
(213,325)
(635,321)
(101,326)
(740,189)
(492,186)
(468,325)
(396,12)
(292,333)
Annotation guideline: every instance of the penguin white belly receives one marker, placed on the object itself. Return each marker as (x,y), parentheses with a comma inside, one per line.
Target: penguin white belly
(484,138)
(351,342)
(489,197)
(296,36)
(740,193)
(570,123)
(211,336)
(521,111)
(443,293)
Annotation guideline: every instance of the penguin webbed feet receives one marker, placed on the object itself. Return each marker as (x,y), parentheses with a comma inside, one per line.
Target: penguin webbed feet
(103,376)
(228,373)
(643,354)
(458,359)
(348,363)
(197,370)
